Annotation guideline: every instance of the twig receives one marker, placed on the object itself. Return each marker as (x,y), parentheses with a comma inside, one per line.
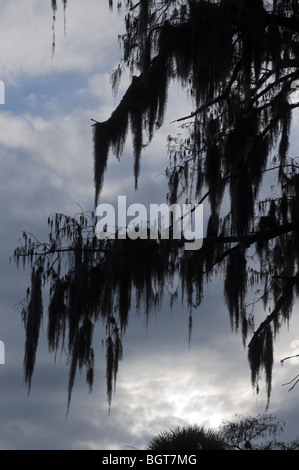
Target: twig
(288,383)
(275,311)
(289,357)
(218,98)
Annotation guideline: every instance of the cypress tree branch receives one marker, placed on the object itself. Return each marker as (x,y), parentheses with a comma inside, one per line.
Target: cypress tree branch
(261,235)
(218,98)
(248,240)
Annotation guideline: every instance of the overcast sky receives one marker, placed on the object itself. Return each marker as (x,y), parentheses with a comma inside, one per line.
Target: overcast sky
(46,166)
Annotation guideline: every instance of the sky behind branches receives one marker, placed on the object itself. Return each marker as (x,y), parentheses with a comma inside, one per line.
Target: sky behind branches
(46,166)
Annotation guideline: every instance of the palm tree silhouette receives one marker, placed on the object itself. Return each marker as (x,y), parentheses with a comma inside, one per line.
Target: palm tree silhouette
(187,438)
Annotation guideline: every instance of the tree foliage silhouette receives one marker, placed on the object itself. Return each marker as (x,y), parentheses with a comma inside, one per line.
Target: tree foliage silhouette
(238,61)
(187,438)
(245,433)
(250,433)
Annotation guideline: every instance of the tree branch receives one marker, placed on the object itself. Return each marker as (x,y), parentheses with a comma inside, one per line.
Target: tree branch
(288,357)
(287,291)
(288,383)
(248,240)
(215,100)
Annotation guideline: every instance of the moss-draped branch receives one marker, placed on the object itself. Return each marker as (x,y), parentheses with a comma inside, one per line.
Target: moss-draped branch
(238,61)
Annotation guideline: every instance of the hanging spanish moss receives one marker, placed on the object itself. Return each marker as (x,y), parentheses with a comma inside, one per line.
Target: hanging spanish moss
(235,285)
(97,287)
(54,9)
(142,107)
(237,62)
(32,319)
(235,59)
(113,356)
(260,356)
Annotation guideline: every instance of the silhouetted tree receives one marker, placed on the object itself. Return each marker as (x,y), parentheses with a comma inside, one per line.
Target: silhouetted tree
(246,433)
(238,61)
(249,433)
(187,438)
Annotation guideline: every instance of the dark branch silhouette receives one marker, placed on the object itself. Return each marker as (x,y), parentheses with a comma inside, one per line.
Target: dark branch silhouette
(238,61)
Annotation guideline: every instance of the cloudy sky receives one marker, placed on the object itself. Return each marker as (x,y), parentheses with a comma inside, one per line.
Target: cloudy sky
(46,166)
